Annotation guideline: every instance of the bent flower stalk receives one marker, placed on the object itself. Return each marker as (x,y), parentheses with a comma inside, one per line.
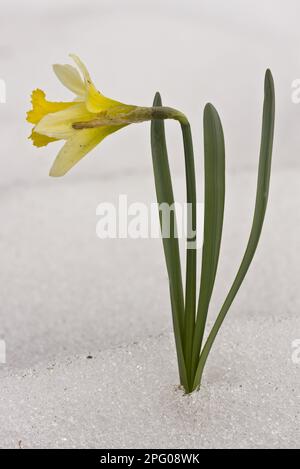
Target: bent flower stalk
(84,122)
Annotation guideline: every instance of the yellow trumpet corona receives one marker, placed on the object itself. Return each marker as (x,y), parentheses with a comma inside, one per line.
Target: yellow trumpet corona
(84,122)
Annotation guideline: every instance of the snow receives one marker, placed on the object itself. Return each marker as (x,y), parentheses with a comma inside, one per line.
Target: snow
(66,295)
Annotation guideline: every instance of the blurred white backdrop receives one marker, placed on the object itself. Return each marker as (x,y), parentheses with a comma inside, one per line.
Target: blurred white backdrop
(191,51)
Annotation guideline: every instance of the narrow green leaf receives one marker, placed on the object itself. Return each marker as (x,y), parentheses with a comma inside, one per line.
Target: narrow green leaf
(164,193)
(263,182)
(214,171)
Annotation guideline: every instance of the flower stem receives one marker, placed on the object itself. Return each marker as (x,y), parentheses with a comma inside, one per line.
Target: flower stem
(183,315)
(191,252)
(123,116)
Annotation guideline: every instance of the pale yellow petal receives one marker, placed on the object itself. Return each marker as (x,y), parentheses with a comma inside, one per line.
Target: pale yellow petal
(95,101)
(82,68)
(70,78)
(59,124)
(78,146)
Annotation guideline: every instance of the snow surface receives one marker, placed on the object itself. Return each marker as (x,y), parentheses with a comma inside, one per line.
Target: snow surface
(65,295)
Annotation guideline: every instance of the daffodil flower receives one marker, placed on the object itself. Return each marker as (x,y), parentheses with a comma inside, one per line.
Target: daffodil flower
(84,122)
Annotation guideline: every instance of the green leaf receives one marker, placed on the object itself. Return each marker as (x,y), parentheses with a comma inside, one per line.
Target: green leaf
(214,171)
(263,182)
(164,193)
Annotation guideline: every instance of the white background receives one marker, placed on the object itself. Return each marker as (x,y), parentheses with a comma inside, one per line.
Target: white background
(191,51)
